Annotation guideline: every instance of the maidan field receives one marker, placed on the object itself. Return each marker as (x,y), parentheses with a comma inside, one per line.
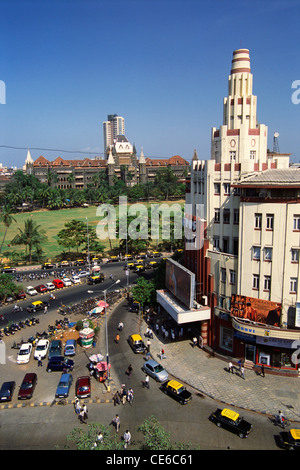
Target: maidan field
(52,221)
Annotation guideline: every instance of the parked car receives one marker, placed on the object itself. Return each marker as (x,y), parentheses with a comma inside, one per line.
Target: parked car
(83,273)
(79,262)
(41,288)
(155,370)
(83,387)
(75,279)
(134,307)
(37,306)
(64,264)
(50,285)
(48,266)
(55,348)
(58,283)
(59,363)
(7,391)
(231,421)
(31,290)
(41,349)
(96,279)
(70,347)
(139,268)
(24,353)
(8,270)
(64,386)
(21,295)
(28,386)
(176,390)
(67,282)
(137,344)
(113,259)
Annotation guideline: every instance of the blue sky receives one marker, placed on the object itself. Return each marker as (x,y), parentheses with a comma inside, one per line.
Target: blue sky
(161,64)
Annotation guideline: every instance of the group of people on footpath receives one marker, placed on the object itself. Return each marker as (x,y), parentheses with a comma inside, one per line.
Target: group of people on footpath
(241,369)
(123,395)
(81,411)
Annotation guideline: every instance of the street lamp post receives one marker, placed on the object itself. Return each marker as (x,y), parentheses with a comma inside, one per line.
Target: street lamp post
(106,333)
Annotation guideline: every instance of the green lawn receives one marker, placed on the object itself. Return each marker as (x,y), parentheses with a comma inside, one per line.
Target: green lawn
(52,222)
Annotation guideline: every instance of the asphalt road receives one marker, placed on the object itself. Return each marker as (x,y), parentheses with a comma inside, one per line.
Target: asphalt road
(46,427)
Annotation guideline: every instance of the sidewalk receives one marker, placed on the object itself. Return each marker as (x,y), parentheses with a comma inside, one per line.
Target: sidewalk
(209,376)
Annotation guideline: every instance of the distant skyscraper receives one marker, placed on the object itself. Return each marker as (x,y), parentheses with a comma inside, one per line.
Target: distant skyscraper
(114,126)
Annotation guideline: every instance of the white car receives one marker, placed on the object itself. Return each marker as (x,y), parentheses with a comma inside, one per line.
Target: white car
(41,349)
(24,353)
(75,279)
(31,290)
(50,286)
(67,282)
(83,273)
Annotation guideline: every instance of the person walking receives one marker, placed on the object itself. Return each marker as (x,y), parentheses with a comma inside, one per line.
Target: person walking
(262,370)
(129,371)
(130,396)
(146,382)
(116,399)
(243,372)
(117,338)
(230,367)
(148,345)
(195,341)
(77,406)
(120,326)
(81,416)
(40,363)
(85,410)
(124,396)
(127,438)
(116,422)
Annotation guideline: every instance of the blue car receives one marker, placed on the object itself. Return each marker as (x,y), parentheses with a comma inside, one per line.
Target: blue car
(64,386)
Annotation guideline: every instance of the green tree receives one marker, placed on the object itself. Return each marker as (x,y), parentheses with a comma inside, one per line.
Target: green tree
(85,439)
(73,235)
(144,291)
(32,236)
(7,219)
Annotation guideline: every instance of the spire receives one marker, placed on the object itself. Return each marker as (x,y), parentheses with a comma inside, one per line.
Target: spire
(195,156)
(28,158)
(110,160)
(142,157)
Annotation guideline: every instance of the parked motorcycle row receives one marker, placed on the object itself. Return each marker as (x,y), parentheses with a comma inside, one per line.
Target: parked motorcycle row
(15,326)
(52,330)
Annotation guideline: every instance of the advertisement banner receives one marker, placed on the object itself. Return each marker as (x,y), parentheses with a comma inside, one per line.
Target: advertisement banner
(256,310)
(180,282)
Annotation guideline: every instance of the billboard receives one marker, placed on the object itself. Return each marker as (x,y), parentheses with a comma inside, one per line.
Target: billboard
(256,310)
(180,282)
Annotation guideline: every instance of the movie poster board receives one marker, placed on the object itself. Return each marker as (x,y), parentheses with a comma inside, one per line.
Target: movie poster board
(256,310)
(180,282)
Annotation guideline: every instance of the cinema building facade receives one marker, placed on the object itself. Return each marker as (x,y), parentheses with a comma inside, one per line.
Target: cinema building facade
(246,265)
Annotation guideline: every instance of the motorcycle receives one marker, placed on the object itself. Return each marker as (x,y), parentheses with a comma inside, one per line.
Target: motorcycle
(17,309)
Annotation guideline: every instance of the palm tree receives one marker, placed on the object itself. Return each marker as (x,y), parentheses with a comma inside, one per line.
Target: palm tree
(32,236)
(7,219)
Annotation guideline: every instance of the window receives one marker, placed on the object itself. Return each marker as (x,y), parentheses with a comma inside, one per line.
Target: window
(226,189)
(295,255)
(217,216)
(217,188)
(257,221)
(223,275)
(255,281)
(252,154)
(236,216)
(268,253)
(270,221)
(216,242)
(293,285)
(232,155)
(256,253)
(296,222)
(226,216)
(231,276)
(267,283)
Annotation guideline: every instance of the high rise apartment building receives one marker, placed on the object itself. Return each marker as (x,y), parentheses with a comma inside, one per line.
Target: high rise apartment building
(113,127)
(247,268)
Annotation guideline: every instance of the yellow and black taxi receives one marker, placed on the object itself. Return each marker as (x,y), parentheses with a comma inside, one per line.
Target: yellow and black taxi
(113,259)
(142,255)
(139,268)
(48,265)
(176,390)
(156,254)
(63,264)
(96,279)
(128,257)
(38,305)
(134,307)
(130,266)
(290,440)
(232,421)
(79,262)
(153,264)
(136,343)
(8,270)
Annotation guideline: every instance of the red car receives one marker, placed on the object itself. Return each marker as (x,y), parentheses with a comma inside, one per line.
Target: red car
(27,386)
(21,295)
(58,283)
(41,288)
(83,387)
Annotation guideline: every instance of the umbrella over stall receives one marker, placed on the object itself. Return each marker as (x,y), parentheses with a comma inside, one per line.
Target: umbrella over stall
(102,304)
(96,310)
